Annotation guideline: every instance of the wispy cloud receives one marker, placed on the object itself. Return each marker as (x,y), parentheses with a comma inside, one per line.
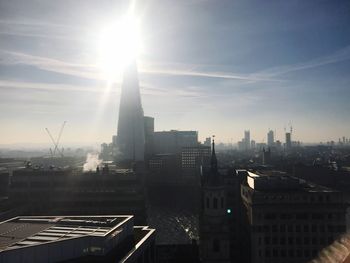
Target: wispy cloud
(37,29)
(205,74)
(91,71)
(49,64)
(13,84)
(337,56)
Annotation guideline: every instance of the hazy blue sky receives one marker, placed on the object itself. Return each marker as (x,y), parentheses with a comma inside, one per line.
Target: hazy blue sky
(218,67)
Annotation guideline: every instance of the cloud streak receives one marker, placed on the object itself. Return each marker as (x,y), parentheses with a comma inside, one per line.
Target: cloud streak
(92,72)
(337,56)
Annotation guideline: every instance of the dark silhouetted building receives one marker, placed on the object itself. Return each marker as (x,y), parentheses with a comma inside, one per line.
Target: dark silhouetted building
(149,137)
(290,220)
(76,239)
(68,192)
(131,127)
(193,157)
(173,141)
(288,141)
(214,227)
(270,138)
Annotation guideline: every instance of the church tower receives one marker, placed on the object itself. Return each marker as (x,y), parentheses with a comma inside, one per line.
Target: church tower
(214,230)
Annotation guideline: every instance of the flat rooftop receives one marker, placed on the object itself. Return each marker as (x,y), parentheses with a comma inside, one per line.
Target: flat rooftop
(27,231)
(280,182)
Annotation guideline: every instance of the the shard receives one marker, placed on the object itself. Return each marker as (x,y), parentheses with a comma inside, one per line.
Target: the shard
(131,133)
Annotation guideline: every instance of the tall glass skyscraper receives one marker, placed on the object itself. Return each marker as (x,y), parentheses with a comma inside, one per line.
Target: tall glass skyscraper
(131,133)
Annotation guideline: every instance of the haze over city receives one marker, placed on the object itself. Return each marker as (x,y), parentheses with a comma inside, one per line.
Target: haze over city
(218,69)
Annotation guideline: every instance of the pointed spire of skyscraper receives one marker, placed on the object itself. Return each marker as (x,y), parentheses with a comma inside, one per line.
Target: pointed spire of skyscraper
(130,137)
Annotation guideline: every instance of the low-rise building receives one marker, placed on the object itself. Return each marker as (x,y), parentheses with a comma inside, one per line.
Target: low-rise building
(75,239)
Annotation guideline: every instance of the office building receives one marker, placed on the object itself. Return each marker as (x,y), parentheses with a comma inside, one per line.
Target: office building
(236,215)
(270,138)
(131,128)
(193,157)
(288,140)
(252,144)
(149,136)
(247,139)
(173,141)
(69,192)
(207,142)
(75,239)
(290,220)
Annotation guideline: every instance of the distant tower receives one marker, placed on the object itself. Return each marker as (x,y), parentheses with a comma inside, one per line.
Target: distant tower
(247,139)
(266,156)
(214,230)
(288,140)
(270,138)
(207,141)
(131,129)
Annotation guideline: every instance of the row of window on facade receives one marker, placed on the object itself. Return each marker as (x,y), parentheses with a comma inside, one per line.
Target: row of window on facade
(288,253)
(215,203)
(304,198)
(266,241)
(302,216)
(299,228)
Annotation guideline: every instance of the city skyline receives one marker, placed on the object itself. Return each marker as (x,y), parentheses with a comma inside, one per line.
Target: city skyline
(241,65)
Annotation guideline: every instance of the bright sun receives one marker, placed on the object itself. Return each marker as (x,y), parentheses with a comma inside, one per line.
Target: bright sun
(118,46)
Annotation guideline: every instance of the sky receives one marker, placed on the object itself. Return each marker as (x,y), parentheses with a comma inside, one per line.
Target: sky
(218,67)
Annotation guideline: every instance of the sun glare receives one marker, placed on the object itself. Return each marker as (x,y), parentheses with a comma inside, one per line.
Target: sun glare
(118,46)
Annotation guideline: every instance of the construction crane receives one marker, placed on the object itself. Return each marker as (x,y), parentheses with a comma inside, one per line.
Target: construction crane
(56,143)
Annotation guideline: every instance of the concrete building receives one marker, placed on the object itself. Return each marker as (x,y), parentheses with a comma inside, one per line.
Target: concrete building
(290,220)
(270,138)
(68,192)
(247,139)
(237,221)
(149,136)
(288,141)
(207,141)
(266,156)
(173,141)
(131,127)
(75,239)
(193,157)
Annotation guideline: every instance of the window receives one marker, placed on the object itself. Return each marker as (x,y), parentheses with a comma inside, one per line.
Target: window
(290,240)
(222,202)
(215,203)
(274,240)
(275,253)
(207,202)
(301,216)
(313,228)
(314,241)
(282,228)
(282,240)
(216,245)
(322,228)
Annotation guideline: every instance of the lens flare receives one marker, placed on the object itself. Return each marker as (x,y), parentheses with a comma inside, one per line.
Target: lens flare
(118,46)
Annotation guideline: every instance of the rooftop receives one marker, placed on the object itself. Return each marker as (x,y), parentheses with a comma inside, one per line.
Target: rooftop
(278,182)
(27,231)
